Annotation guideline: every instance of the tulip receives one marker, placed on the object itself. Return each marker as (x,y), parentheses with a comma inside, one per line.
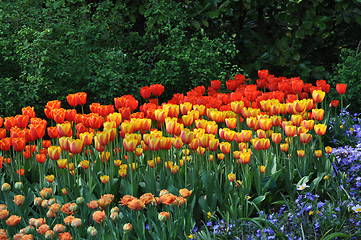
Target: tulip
(127,227)
(328,149)
(320,129)
(341,88)
(300,153)
(231,177)
(145,92)
(130,144)
(72,100)
(62,163)
(305,137)
(13,220)
(225,147)
(54,152)
(284,147)
(80,98)
(276,137)
(18,144)
(318,114)
(104,179)
(76,146)
(318,153)
(318,96)
(50,178)
(265,123)
(157,89)
(262,169)
(290,130)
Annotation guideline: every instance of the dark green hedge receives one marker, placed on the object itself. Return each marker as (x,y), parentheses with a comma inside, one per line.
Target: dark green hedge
(50,48)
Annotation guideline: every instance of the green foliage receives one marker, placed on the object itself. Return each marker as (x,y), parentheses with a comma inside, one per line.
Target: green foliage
(57,48)
(348,71)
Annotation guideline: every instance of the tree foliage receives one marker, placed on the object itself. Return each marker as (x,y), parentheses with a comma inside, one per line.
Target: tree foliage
(113,47)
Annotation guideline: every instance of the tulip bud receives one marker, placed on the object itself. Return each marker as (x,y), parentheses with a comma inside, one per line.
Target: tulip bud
(19,185)
(80,200)
(5,187)
(127,227)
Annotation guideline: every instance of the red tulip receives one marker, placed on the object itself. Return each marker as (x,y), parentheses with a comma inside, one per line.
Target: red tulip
(81,98)
(157,89)
(145,92)
(18,144)
(72,100)
(341,88)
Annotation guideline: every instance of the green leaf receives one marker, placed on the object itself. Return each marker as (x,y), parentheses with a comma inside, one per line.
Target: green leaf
(196,24)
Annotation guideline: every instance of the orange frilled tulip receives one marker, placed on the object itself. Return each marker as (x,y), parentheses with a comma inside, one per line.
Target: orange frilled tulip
(54,152)
(318,114)
(80,98)
(4,213)
(99,216)
(341,88)
(70,114)
(5,144)
(52,132)
(29,111)
(163,216)
(19,200)
(95,121)
(320,129)
(2,133)
(72,100)
(13,220)
(76,146)
(9,123)
(58,114)
(21,121)
(18,144)
(168,198)
(40,158)
(136,204)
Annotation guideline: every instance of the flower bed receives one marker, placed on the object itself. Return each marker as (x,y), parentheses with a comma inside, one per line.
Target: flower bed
(246,156)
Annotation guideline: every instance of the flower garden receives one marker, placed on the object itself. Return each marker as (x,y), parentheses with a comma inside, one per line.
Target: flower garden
(265,159)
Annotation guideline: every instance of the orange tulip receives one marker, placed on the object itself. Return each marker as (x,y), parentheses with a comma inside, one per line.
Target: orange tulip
(72,100)
(231,177)
(80,98)
(318,153)
(13,220)
(18,144)
(62,163)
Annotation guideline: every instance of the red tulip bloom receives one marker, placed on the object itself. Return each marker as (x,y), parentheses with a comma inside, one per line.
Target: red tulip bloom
(341,88)
(145,92)
(9,123)
(72,100)
(18,144)
(5,144)
(216,84)
(81,98)
(157,89)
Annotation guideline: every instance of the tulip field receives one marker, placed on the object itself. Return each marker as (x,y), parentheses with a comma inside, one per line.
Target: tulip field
(214,162)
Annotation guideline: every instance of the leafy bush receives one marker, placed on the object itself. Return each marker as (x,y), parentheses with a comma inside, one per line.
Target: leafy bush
(61,47)
(348,71)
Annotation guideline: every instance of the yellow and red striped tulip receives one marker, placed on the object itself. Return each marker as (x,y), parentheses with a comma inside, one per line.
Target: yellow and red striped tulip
(320,129)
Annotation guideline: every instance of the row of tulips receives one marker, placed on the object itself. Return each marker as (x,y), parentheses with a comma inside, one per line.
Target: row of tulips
(232,149)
